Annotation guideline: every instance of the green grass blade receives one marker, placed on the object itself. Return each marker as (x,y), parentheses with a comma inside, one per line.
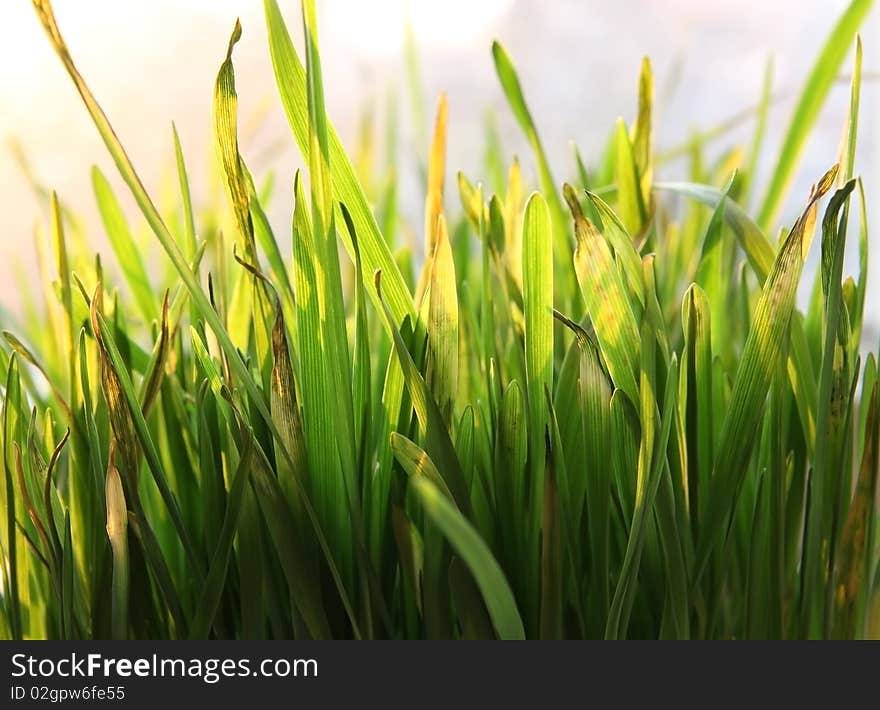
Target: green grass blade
(290,76)
(124,246)
(189,222)
(831,414)
(816,89)
(416,462)
(226,131)
(438,445)
(513,91)
(154,219)
(607,301)
(633,212)
(537,259)
(622,243)
(120,395)
(473,551)
(763,348)
(443,327)
(320,404)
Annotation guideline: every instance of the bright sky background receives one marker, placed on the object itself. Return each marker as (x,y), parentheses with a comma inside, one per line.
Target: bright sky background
(151,61)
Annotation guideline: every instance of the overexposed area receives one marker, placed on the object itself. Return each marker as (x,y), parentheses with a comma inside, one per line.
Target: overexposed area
(151,62)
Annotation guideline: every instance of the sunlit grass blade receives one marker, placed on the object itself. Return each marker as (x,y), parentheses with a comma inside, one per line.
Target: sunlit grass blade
(537,259)
(438,445)
(549,187)
(291,79)
(189,221)
(607,301)
(124,246)
(443,326)
(629,194)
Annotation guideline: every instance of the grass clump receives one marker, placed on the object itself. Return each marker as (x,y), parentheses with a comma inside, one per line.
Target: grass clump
(592,411)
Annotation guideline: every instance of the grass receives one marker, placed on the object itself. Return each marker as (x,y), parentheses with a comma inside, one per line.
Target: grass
(598,410)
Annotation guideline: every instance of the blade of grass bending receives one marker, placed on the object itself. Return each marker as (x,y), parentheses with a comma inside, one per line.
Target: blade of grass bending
(249,307)
(290,77)
(416,462)
(607,300)
(762,349)
(513,91)
(621,242)
(479,560)
(468,602)
(751,237)
(816,88)
(225,108)
(438,445)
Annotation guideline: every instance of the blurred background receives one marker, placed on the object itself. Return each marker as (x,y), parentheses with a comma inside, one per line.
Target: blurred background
(151,62)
